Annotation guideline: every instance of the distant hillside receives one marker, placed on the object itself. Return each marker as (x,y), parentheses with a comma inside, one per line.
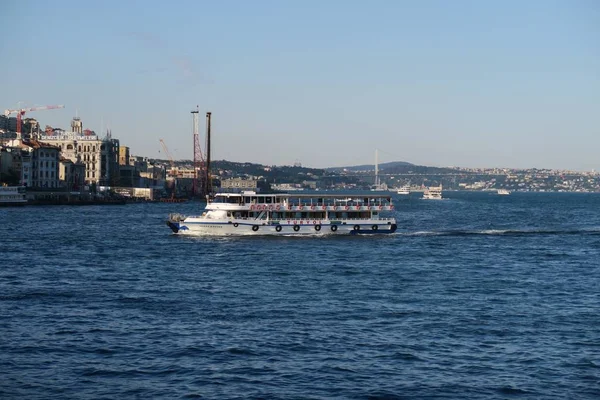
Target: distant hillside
(418,169)
(371,167)
(298,174)
(271,173)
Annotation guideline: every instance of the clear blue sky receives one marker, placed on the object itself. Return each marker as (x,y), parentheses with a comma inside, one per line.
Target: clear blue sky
(462,83)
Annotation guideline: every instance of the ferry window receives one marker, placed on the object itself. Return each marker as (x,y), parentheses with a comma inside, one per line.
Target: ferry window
(254,199)
(269,200)
(246,199)
(261,200)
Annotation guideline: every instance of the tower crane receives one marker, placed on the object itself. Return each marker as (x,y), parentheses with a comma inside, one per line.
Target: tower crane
(22,112)
(169,156)
(173,170)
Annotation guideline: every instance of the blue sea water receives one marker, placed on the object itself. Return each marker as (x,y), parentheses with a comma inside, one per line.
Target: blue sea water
(476,296)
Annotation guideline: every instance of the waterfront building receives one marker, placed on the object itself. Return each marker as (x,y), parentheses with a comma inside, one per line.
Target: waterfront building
(129,176)
(239,183)
(286,187)
(26,167)
(16,163)
(100,156)
(110,160)
(124,155)
(44,165)
(71,174)
(149,174)
(30,127)
(11,124)
(310,184)
(7,172)
(77,125)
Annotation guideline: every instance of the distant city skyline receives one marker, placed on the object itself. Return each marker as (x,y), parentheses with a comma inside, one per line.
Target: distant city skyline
(467,84)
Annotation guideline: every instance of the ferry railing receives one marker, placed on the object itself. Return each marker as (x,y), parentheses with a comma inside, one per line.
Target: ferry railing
(328,202)
(339,203)
(323,219)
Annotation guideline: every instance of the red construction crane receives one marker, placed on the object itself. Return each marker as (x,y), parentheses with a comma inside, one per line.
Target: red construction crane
(169,156)
(22,112)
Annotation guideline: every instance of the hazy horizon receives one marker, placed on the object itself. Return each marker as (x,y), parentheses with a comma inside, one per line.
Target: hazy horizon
(466,84)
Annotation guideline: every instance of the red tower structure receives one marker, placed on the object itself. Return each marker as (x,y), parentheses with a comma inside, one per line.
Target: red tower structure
(199,183)
(208,178)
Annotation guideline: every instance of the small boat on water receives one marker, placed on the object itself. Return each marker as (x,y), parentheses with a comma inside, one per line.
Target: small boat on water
(433,193)
(503,192)
(251,213)
(12,196)
(404,190)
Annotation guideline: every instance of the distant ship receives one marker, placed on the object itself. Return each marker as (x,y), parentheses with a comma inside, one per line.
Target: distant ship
(12,196)
(404,190)
(503,192)
(433,193)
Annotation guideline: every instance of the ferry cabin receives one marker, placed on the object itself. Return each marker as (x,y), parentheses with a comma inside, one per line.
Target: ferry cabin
(298,207)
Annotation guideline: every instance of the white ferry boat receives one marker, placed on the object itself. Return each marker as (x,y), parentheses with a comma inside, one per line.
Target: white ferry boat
(12,196)
(503,192)
(433,193)
(404,190)
(249,213)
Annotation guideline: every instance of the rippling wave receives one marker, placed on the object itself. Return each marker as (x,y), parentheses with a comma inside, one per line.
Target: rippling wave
(476,297)
(505,232)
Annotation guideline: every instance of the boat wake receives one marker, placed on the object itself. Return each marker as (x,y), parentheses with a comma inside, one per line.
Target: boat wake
(504,232)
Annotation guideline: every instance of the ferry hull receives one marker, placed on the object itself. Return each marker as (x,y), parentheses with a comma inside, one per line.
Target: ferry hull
(199,227)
